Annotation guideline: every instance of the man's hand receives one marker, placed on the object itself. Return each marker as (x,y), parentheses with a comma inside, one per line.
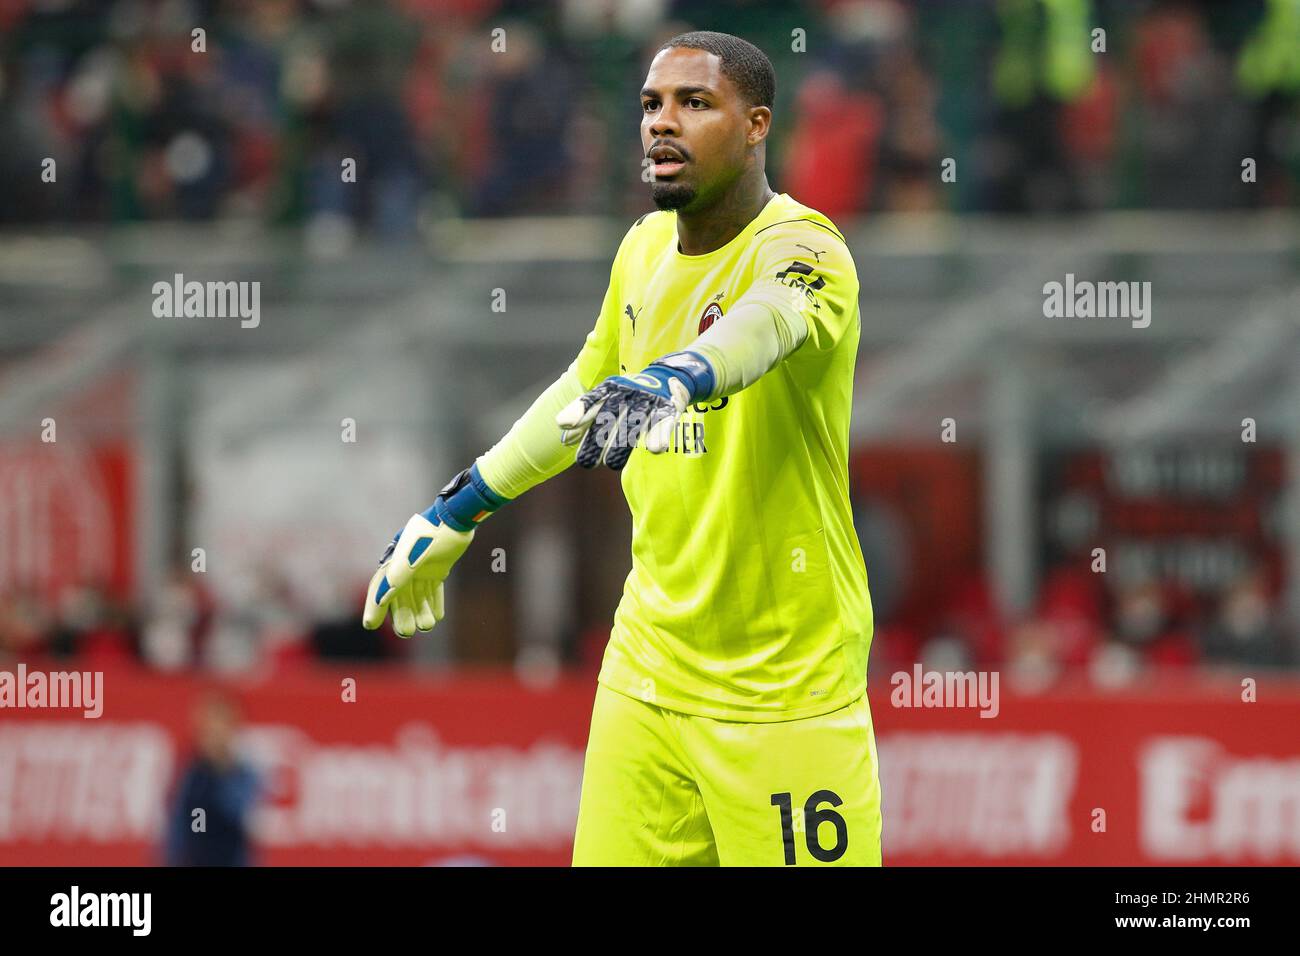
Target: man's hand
(415,565)
(411,574)
(612,417)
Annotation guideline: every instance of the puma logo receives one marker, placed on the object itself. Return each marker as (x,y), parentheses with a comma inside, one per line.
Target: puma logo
(632,315)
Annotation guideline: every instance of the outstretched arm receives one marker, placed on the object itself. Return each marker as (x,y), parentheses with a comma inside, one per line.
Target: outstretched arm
(412,571)
(531,451)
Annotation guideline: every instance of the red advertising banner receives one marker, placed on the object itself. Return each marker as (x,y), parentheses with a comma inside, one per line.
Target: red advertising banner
(482,769)
(1182,773)
(67,490)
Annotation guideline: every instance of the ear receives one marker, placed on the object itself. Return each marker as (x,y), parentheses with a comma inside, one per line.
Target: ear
(760,123)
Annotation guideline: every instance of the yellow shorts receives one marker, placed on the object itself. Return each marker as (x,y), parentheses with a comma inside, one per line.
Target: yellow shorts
(662,788)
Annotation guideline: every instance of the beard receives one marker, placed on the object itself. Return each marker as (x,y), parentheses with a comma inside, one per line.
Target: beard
(669,196)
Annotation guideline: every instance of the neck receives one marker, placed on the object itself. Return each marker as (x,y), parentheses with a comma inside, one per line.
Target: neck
(708,229)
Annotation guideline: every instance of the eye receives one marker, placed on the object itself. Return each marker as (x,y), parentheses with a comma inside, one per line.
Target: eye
(648,106)
(696,103)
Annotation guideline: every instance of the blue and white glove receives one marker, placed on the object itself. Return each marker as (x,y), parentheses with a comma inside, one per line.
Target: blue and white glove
(612,417)
(415,565)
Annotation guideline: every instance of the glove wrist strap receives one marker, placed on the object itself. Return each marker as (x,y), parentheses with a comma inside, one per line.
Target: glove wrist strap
(693,370)
(465,502)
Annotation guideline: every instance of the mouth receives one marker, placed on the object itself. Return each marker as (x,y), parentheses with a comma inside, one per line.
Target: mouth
(668,162)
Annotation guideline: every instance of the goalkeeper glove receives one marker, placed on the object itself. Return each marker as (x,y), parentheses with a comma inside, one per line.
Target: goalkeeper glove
(412,570)
(612,417)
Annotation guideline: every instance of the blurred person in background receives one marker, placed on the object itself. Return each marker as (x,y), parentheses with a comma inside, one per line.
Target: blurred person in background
(339,636)
(25,628)
(1043,61)
(1193,141)
(531,148)
(92,625)
(1245,629)
(910,150)
(174,634)
(371,47)
(1065,631)
(1144,633)
(976,620)
(832,152)
(209,820)
(1267,72)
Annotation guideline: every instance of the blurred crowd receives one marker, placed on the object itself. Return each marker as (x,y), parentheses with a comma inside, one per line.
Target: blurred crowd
(505,107)
(1078,626)
(187,628)
(1113,635)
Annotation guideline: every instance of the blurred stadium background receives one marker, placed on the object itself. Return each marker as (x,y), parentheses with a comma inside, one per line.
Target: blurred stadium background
(216,495)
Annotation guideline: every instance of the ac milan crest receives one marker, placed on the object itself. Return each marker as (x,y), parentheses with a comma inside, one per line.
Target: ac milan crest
(711,315)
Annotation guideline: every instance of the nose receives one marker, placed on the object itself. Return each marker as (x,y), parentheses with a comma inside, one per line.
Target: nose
(665,123)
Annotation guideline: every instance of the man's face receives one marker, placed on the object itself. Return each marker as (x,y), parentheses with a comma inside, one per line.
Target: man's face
(217,723)
(696,127)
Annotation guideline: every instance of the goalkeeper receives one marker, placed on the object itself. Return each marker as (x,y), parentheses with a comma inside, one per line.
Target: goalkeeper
(731,723)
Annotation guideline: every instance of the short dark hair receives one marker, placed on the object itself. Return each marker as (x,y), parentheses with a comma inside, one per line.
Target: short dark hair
(743,63)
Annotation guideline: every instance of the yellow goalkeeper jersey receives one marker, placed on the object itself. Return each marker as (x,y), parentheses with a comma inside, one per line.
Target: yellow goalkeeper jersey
(747,599)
